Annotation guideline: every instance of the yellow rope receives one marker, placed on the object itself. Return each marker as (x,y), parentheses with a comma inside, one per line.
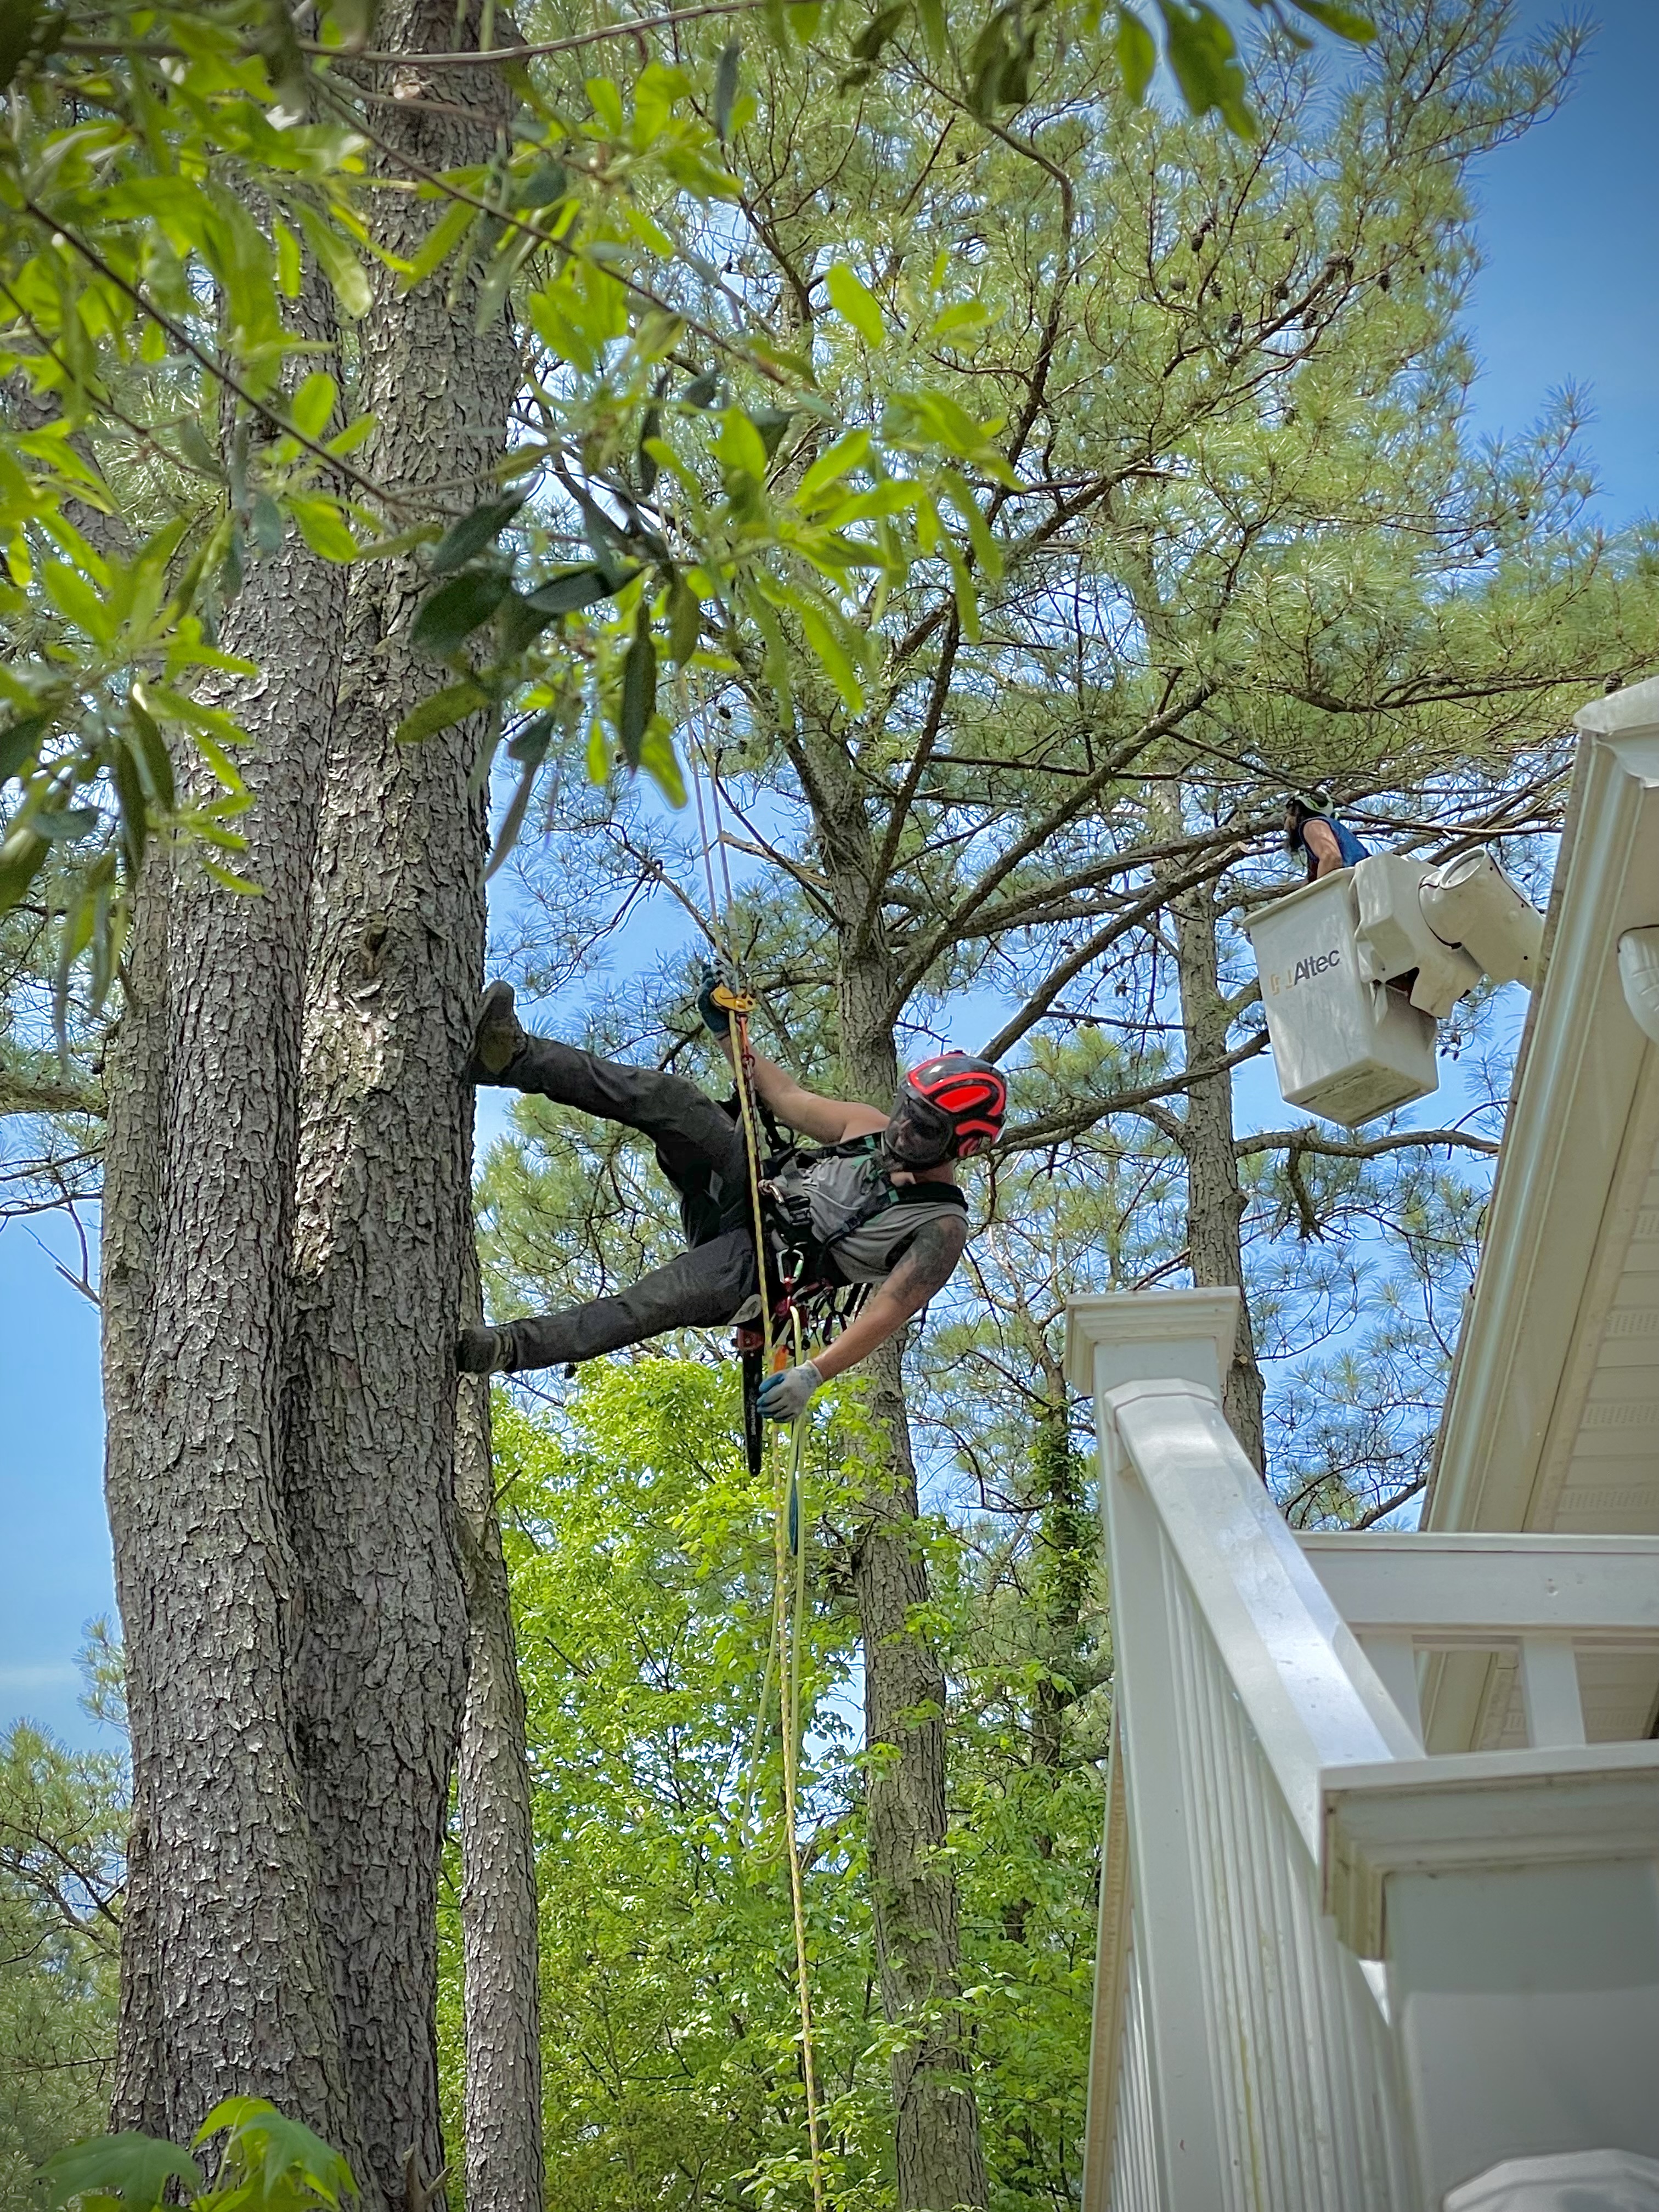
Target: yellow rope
(789,1714)
(788,1592)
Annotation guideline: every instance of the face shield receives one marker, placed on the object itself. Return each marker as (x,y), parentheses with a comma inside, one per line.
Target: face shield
(919,1134)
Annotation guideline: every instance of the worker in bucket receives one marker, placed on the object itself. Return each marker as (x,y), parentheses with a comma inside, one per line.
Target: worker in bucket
(878,1204)
(1312,829)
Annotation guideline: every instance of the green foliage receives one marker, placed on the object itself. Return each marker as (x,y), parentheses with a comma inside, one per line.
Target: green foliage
(641,1556)
(62,1832)
(171,178)
(266,2161)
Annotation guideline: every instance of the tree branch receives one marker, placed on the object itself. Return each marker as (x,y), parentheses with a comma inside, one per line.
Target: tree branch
(1310,1139)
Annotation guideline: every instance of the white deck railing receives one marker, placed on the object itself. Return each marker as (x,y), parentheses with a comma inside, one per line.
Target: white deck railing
(1305,1920)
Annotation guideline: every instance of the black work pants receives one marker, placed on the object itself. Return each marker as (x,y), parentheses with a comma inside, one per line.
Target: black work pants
(700,1148)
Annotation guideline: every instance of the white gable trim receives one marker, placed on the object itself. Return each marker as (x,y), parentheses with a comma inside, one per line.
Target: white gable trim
(1580,1144)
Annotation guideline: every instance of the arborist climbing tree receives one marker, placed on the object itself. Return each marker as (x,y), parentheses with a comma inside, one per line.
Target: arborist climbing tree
(876,1203)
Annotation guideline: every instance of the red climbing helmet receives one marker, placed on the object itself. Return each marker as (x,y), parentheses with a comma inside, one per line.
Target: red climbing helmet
(969,1094)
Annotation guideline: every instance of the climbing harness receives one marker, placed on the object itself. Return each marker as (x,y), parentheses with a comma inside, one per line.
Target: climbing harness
(786,1654)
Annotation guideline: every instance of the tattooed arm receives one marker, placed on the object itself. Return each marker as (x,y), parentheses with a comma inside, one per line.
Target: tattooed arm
(920,1275)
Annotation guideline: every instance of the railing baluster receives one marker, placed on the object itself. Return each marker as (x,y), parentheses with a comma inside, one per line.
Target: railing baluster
(1394,1658)
(1549,1689)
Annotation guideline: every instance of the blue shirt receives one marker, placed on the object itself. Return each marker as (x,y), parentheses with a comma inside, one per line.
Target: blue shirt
(1346,843)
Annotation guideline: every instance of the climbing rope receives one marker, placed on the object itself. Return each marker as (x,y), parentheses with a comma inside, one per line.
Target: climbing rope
(786,1654)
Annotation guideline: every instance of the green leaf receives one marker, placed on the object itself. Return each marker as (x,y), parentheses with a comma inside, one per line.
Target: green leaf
(1346,22)
(661,764)
(228,880)
(336,260)
(867,47)
(135,2168)
(684,619)
(639,687)
(456,609)
(843,457)
(73,597)
(134,816)
(1137,54)
(598,753)
(267,2147)
(999,62)
(513,821)
(19,742)
(21,857)
(312,403)
(291,268)
(440,242)
(266,522)
(532,742)
(570,589)
(451,705)
(473,532)
(547,182)
(62,825)
(27,32)
(520,625)
(831,650)
(322,527)
(742,451)
(771,423)
(155,760)
(645,460)
(855,303)
(1205,63)
(726,87)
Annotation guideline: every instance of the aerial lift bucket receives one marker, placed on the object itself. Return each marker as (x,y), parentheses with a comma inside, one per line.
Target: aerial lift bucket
(1345,1048)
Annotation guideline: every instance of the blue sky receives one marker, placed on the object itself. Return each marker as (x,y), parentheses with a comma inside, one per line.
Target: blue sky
(1570,295)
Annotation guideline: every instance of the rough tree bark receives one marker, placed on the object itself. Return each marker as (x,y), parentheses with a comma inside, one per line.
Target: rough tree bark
(1215,1198)
(223,1983)
(383,1227)
(498,1922)
(940,2161)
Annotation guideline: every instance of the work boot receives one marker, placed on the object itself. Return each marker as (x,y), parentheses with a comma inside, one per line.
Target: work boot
(497,1039)
(482,1351)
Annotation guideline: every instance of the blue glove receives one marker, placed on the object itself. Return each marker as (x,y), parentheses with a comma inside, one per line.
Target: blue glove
(715,1018)
(786,1397)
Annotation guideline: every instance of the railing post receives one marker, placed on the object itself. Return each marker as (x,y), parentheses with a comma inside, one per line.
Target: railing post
(1186,1337)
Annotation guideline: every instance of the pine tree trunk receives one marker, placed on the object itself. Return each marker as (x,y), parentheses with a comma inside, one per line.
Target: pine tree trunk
(1215,1199)
(918,1944)
(940,2161)
(383,1227)
(223,1983)
(499,1915)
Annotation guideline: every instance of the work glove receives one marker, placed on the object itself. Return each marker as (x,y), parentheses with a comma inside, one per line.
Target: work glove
(715,1018)
(786,1397)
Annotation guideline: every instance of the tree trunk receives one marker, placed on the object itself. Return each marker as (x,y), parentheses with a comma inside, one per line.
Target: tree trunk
(382,1248)
(940,2162)
(223,1983)
(499,1914)
(1215,1201)
(918,1945)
